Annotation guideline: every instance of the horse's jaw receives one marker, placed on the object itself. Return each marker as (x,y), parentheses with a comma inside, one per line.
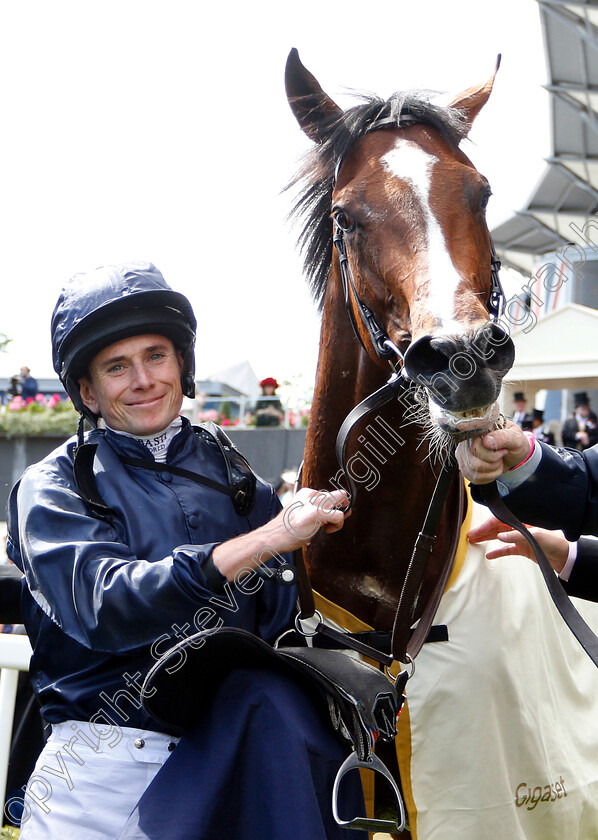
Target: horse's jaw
(461,425)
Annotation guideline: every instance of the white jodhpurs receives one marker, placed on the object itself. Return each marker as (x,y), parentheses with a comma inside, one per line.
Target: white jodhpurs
(88,778)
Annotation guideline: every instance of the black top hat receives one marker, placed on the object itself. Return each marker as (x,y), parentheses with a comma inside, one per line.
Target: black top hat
(538,415)
(580,398)
(519,395)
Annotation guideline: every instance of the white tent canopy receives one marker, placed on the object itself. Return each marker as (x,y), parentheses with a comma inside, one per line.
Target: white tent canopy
(560,352)
(240,376)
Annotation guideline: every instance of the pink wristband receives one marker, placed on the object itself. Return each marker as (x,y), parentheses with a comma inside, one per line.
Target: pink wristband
(531,437)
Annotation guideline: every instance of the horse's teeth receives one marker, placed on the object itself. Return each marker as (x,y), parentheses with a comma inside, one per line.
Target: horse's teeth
(474,412)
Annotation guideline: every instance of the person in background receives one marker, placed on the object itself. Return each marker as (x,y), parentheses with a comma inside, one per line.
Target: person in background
(580,431)
(268,409)
(520,413)
(14,386)
(541,431)
(28,384)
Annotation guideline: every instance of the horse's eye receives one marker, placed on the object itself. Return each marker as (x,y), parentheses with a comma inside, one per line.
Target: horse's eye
(343,220)
(485,200)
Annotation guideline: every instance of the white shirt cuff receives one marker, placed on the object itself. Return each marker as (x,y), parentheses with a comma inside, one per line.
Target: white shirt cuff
(568,567)
(513,478)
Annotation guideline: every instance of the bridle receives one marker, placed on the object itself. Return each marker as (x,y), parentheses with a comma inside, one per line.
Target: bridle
(381,342)
(404,647)
(383,345)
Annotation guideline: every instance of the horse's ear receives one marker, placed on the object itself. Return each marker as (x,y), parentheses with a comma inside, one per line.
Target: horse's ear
(312,107)
(471,101)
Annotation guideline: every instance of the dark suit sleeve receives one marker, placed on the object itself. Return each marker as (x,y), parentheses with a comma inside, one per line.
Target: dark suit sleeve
(561,494)
(568,432)
(10,594)
(593,433)
(583,581)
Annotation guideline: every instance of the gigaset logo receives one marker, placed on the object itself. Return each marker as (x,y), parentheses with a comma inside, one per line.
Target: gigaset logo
(530,797)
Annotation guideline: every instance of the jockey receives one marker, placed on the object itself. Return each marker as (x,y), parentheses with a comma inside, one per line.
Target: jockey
(122,558)
(544,485)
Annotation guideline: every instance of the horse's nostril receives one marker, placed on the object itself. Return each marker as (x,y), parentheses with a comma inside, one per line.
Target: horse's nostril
(428,356)
(493,347)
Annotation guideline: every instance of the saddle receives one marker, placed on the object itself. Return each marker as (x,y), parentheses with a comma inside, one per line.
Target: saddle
(363,704)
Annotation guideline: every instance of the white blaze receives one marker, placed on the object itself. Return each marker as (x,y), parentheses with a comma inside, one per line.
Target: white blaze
(412,165)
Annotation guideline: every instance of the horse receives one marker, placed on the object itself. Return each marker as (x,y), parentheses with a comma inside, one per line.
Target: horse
(411,290)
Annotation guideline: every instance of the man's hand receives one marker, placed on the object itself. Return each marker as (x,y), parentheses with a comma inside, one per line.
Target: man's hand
(482,460)
(307,513)
(554,543)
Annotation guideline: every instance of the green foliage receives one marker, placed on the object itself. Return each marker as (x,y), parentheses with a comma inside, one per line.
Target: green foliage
(4,341)
(51,417)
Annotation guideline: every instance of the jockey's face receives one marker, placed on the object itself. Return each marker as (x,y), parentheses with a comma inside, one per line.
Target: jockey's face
(135,384)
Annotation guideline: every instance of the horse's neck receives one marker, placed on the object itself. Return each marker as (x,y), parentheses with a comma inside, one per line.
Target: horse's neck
(363,566)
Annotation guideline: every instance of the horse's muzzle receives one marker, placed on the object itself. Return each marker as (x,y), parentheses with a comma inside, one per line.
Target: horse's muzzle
(462,373)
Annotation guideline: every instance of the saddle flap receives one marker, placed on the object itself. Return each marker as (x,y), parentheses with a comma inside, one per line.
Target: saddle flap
(187,677)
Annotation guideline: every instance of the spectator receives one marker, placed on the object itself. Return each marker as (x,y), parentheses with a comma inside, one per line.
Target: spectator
(520,413)
(14,387)
(580,431)
(541,431)
(268,409)
(28,384)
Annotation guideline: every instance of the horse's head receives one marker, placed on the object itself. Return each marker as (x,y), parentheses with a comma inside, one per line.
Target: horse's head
(408,209)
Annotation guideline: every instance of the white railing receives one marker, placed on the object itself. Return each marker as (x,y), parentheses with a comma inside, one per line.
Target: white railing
(15,653)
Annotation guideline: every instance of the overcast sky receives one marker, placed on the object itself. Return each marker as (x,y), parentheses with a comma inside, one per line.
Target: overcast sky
(136,129)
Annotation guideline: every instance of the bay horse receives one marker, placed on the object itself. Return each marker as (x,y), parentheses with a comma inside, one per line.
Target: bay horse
(418,294)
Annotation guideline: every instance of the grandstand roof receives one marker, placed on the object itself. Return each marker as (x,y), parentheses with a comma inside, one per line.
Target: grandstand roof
(568,189)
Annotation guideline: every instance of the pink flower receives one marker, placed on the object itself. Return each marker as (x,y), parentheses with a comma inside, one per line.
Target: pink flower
(211,414)
(39,398)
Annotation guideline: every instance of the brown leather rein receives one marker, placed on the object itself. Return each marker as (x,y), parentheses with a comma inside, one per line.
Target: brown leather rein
(405,643)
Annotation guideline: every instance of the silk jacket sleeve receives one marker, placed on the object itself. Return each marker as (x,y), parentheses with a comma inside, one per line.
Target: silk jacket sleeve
(90,582)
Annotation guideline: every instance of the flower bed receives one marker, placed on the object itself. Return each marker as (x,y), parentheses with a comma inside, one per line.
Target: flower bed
(39,416)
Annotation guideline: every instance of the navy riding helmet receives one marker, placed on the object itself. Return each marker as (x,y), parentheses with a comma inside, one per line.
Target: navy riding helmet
(113,302)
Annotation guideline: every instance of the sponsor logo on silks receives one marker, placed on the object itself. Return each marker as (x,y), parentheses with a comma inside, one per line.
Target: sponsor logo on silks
(528,796)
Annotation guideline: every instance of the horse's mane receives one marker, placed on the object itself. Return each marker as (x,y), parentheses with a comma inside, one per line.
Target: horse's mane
(316,176)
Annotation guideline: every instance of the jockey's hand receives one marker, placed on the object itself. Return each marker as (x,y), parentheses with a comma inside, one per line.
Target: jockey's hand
(483,459)
(293,527)
(307,512)
(554,543)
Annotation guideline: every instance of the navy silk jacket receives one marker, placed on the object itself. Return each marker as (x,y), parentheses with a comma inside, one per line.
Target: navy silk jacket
(104,600)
